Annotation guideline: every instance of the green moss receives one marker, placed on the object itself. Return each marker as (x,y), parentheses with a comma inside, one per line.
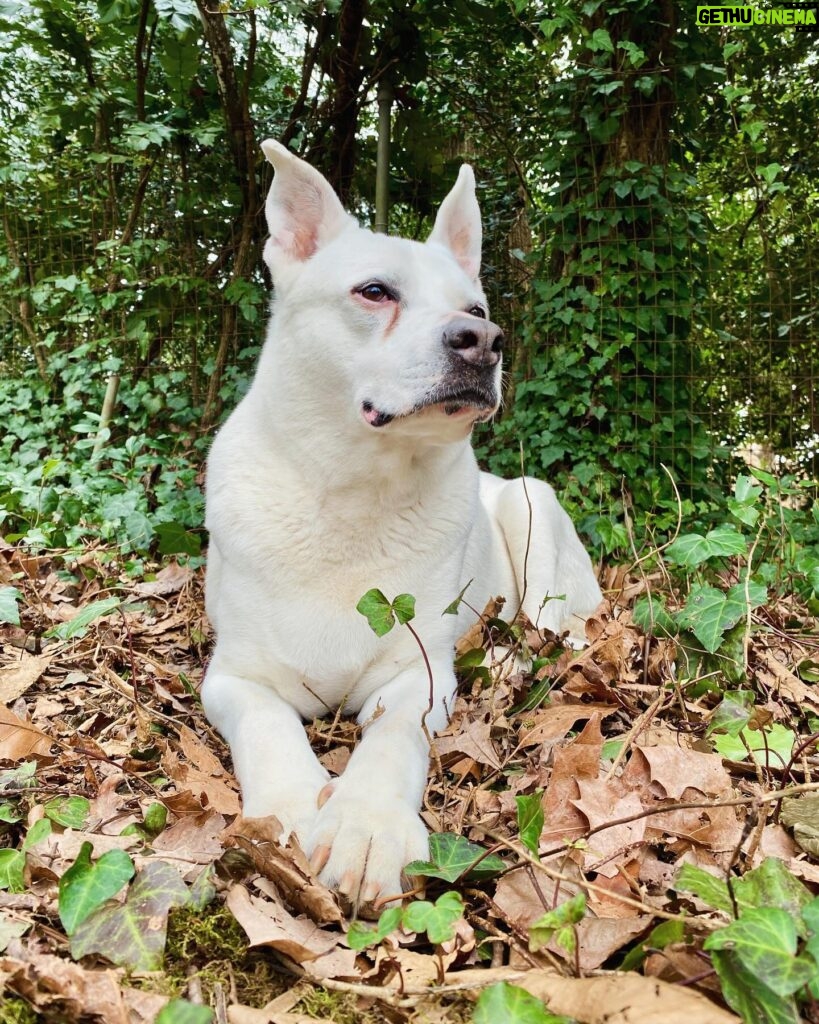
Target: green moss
(16,1011)
(338,1007)
(212,943)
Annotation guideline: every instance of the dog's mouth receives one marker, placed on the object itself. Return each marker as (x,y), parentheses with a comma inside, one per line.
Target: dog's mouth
(480,403)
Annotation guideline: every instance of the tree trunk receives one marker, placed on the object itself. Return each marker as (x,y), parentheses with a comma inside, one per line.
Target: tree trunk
(242,143)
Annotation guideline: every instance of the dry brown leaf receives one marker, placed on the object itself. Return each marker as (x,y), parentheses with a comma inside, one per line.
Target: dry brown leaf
(602,801)
(677,769)
(287,867)
(169,580)
(198,754)
(523,896)
(579,760)
(678,962)
(554,722)
(19,739)
(779,677)
(474,740)
(269,924)
(192,840)
(69,991)
(625,998)
(475,636)
(277,1011)
(210,783)
(21,674)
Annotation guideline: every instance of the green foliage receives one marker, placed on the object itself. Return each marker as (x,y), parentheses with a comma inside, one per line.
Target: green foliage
(453,857)
(9,612)
(361,936)
(68,811)
(53,493)
(85,887)
(78,626)
(559,924)
(659,937)
(180,1011)
(381,614)
(509,1004)
(132,934)
(769,538)
(766,958)
(13,862)
(530,820)
(437,919)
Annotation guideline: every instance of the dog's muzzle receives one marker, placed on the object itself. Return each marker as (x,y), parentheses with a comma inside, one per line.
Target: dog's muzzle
(478,342)
(470,382)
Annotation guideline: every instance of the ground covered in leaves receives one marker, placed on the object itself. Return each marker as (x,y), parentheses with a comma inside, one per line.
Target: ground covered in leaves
(599,819)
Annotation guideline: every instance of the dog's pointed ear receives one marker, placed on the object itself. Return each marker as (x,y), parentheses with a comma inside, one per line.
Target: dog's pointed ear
(303,212)
(458,224)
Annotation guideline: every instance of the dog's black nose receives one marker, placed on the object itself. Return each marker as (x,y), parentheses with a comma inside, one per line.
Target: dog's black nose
(476,341)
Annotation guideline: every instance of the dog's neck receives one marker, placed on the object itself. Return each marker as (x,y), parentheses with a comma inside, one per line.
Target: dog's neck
(391,468)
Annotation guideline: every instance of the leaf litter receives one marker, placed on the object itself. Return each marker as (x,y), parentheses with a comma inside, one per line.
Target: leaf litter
(587,779)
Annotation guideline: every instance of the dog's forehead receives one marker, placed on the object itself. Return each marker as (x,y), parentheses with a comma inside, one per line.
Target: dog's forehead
(361,255)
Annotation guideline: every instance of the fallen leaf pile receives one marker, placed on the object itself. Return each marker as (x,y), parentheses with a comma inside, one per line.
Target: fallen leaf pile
(568,772)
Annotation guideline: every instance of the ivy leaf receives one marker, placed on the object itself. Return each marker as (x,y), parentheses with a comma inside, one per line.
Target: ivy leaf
(377,610)
(651,616)
(155,819)
(180,1011)
(12,865)
(36,834)
(78,626)
(452,609)
(84,887)
(705,886)
(763,941)
(9,813)
(9,612)
(174,539)
(512,1005)
(772,885)
(360,935)
(69,811)
(692,549)
(452,856)
(133,934)
(732,713)
(558,924)
(743,992)
(771,746)
(601,40)
(436,919)
(710,612)
(658,938)
(404,608)
(530,820)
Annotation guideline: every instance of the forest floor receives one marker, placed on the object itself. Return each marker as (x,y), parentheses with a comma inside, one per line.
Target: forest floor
(103,742)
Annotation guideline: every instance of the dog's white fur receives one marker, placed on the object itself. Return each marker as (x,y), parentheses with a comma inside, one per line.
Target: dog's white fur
(312,501)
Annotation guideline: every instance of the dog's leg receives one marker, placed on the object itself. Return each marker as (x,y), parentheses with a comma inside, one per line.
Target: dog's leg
(369,828)
(557,566)
(277,771)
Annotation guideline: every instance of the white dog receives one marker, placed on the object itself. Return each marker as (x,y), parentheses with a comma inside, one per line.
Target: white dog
(348,466)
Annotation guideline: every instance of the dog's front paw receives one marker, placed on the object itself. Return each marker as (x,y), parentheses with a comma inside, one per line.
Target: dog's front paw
(359,847)
(296,810)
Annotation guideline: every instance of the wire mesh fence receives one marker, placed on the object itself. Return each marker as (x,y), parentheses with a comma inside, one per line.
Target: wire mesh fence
(683,299)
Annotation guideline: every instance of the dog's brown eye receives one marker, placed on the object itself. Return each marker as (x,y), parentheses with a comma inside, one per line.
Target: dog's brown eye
(375,292)
(478,311)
